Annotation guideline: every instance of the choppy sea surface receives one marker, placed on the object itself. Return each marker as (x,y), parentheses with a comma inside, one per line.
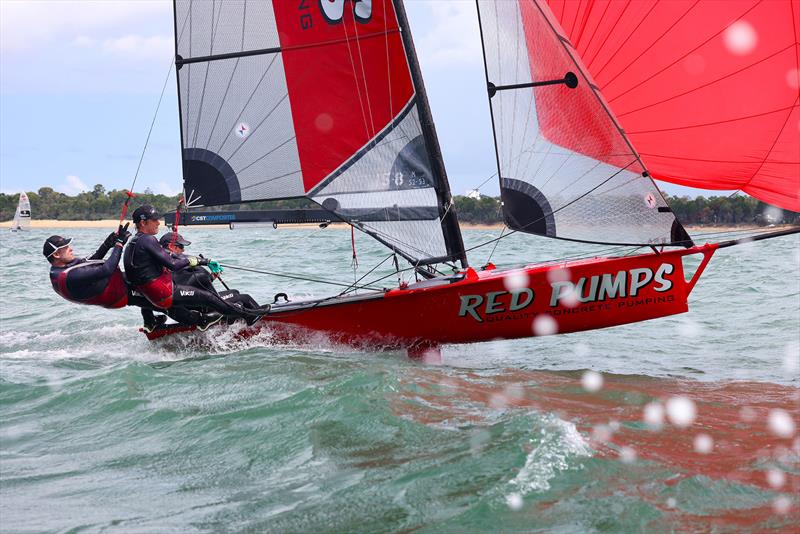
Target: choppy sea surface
(687,423)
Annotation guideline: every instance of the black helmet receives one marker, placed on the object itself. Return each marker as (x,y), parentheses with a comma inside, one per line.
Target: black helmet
(144,213)
(53,243)
(166,239)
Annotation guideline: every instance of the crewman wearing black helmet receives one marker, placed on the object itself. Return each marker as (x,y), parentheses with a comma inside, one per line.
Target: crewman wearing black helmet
(149,270)
(93,280)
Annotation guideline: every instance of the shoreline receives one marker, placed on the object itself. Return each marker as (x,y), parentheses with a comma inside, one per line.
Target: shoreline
(113,223)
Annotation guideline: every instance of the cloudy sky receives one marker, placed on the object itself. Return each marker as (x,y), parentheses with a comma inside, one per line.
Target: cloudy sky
(80,80)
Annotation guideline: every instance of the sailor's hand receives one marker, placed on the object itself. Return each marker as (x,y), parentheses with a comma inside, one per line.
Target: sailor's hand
(110,240)
(123,229)
(194,261)
(215,267)
(122,238)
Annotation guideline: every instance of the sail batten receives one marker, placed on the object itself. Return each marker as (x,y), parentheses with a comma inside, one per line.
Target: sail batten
(566,167)
(321,100)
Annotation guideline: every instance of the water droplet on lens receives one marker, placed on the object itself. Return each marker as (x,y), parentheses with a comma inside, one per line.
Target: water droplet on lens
(592,381)
(703,443)
(654,415)
(776,478)
(681,411)
(780,423)
(627,455)
(514,501)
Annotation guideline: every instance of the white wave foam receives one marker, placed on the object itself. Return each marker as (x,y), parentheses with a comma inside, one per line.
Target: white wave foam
(557,442)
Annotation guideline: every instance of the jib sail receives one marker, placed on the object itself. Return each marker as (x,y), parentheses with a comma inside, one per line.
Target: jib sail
(708,92)
(22,217)
(566,168)
(316,99)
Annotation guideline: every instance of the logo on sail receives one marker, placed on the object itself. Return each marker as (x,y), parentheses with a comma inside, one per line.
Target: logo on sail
(243,130)
(333,10)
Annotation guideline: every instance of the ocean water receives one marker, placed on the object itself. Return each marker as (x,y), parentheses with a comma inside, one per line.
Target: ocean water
(686,423)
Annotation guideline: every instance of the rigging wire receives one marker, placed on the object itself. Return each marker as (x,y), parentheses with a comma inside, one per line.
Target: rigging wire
(152,123)
(295,277)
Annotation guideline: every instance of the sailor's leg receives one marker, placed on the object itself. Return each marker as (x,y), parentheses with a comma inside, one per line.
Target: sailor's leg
(243,300)
(148,317)
(193,297)
(184,315)
(247,301)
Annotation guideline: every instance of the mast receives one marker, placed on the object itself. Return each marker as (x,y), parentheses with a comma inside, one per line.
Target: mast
(447,209)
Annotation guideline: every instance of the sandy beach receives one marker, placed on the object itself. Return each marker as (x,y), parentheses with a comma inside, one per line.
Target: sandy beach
(112,223)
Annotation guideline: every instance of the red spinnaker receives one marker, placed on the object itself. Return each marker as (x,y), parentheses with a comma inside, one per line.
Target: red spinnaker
(708,92)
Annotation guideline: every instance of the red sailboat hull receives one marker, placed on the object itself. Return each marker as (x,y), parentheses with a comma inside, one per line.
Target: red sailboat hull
(492,304)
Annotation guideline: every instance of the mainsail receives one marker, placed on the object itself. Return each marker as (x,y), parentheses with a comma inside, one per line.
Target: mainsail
(22,217)
(566,168)
(316,99)
(708,92)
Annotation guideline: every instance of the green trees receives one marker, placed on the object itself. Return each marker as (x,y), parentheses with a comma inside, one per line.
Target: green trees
(100,203)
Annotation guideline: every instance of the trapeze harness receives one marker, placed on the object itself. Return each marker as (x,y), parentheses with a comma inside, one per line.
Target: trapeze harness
(95,282)
(149,268)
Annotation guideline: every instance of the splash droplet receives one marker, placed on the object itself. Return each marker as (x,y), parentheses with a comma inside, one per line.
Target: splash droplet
(780,423)
(514,501)
(602,433)
(776,478)
(324,122)
(516,280)
(627,455)
(781,505)
(740,38)
(747,414)
(544,325)
(703,443)
(681,411)
(592,381)
(561,274)
(793,78)
(654,415)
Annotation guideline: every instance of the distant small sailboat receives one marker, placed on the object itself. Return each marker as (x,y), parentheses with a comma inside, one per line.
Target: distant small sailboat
(22,217)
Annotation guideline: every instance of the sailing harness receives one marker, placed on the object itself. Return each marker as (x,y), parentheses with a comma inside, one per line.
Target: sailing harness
(157,290)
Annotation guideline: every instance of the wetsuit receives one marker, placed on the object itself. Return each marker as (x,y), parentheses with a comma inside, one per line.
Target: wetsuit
(199,277)
(149,269)
(101,283)
(92,280)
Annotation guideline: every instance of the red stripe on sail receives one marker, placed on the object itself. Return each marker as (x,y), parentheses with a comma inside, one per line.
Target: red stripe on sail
(348,78)
(571,118)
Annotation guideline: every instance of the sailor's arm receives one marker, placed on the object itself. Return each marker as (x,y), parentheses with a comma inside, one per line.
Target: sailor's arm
(162,257)
(112,263)
(109,242)
(93,273)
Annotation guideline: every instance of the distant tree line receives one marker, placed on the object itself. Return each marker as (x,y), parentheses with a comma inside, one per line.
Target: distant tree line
(695,211)
(99,203)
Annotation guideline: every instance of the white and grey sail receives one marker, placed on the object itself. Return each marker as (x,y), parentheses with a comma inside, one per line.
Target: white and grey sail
(313,99)
(566,168)
(22,216)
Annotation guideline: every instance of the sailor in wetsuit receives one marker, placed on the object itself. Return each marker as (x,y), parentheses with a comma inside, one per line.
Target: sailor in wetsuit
(200,277)
(93,280)
(149,269)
